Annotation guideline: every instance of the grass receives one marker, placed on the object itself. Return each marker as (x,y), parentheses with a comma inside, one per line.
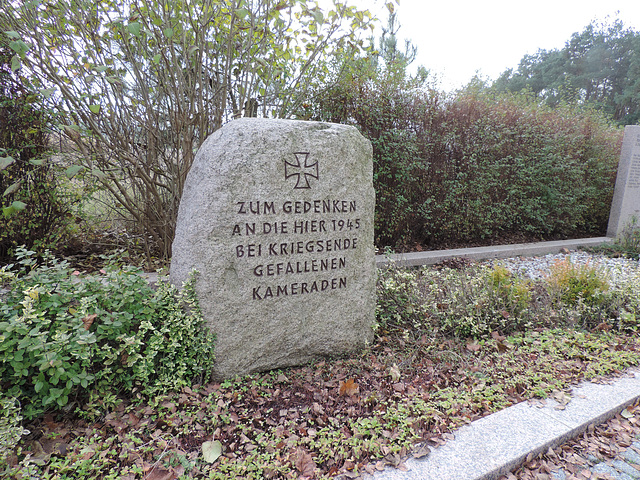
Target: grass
(451,346)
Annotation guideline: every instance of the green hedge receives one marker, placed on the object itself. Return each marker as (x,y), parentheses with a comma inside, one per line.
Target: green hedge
(478,166)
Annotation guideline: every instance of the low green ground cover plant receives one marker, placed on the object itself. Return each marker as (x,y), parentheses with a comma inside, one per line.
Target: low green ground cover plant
(475,301)
(68,337)
(451,345)
(296,422)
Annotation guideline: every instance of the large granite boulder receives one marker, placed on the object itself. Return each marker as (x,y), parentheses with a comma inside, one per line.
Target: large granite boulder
(277,218)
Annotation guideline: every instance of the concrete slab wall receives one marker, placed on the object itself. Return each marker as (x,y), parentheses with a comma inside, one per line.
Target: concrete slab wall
(626,197)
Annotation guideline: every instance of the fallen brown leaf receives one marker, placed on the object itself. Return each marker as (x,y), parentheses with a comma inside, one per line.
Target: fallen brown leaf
(421,451)
(399,387)
(159,473)
(473,346)
(88,320)
(562,398)
(304,463)
(349,387)
(496,336)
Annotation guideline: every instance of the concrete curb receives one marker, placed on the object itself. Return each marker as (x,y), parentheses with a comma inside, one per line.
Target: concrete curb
(497,444)
(483,253)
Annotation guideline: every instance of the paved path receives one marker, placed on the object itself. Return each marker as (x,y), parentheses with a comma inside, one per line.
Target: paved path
(610,450)
(625,466)
(497,444)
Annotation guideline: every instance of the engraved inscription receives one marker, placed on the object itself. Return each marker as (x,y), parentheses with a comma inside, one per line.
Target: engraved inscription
(634,172)
(307,266)
(296,248)
(299,288)
(296,207)
(256,208)
(303,169)
(281,246)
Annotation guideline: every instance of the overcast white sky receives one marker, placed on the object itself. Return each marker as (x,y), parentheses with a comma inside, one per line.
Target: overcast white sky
(457,38)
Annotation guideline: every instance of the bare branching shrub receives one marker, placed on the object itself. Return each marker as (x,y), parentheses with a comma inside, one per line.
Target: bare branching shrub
(142,83)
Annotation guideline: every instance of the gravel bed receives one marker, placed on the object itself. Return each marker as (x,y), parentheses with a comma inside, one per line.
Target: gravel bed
(538,267)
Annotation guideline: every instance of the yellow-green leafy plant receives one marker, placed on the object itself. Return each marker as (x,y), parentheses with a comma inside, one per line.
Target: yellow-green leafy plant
(514,291)
(11,429)
(571,283)
(65,335)
(582,295)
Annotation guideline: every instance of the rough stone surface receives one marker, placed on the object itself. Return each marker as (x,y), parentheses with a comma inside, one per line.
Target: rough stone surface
(626,196)
(612,473)
(277,218)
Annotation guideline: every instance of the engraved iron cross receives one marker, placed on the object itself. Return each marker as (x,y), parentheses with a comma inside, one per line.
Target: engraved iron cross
(303,171)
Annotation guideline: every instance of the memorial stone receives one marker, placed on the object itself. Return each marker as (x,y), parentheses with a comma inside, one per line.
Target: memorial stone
(277,218)
(626,197)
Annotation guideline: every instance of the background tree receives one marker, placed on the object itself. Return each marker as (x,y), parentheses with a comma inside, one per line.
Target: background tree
(142,83)
(375,92)
(599,66)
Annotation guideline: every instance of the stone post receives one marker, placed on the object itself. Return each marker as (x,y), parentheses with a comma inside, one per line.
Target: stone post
(626,197)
